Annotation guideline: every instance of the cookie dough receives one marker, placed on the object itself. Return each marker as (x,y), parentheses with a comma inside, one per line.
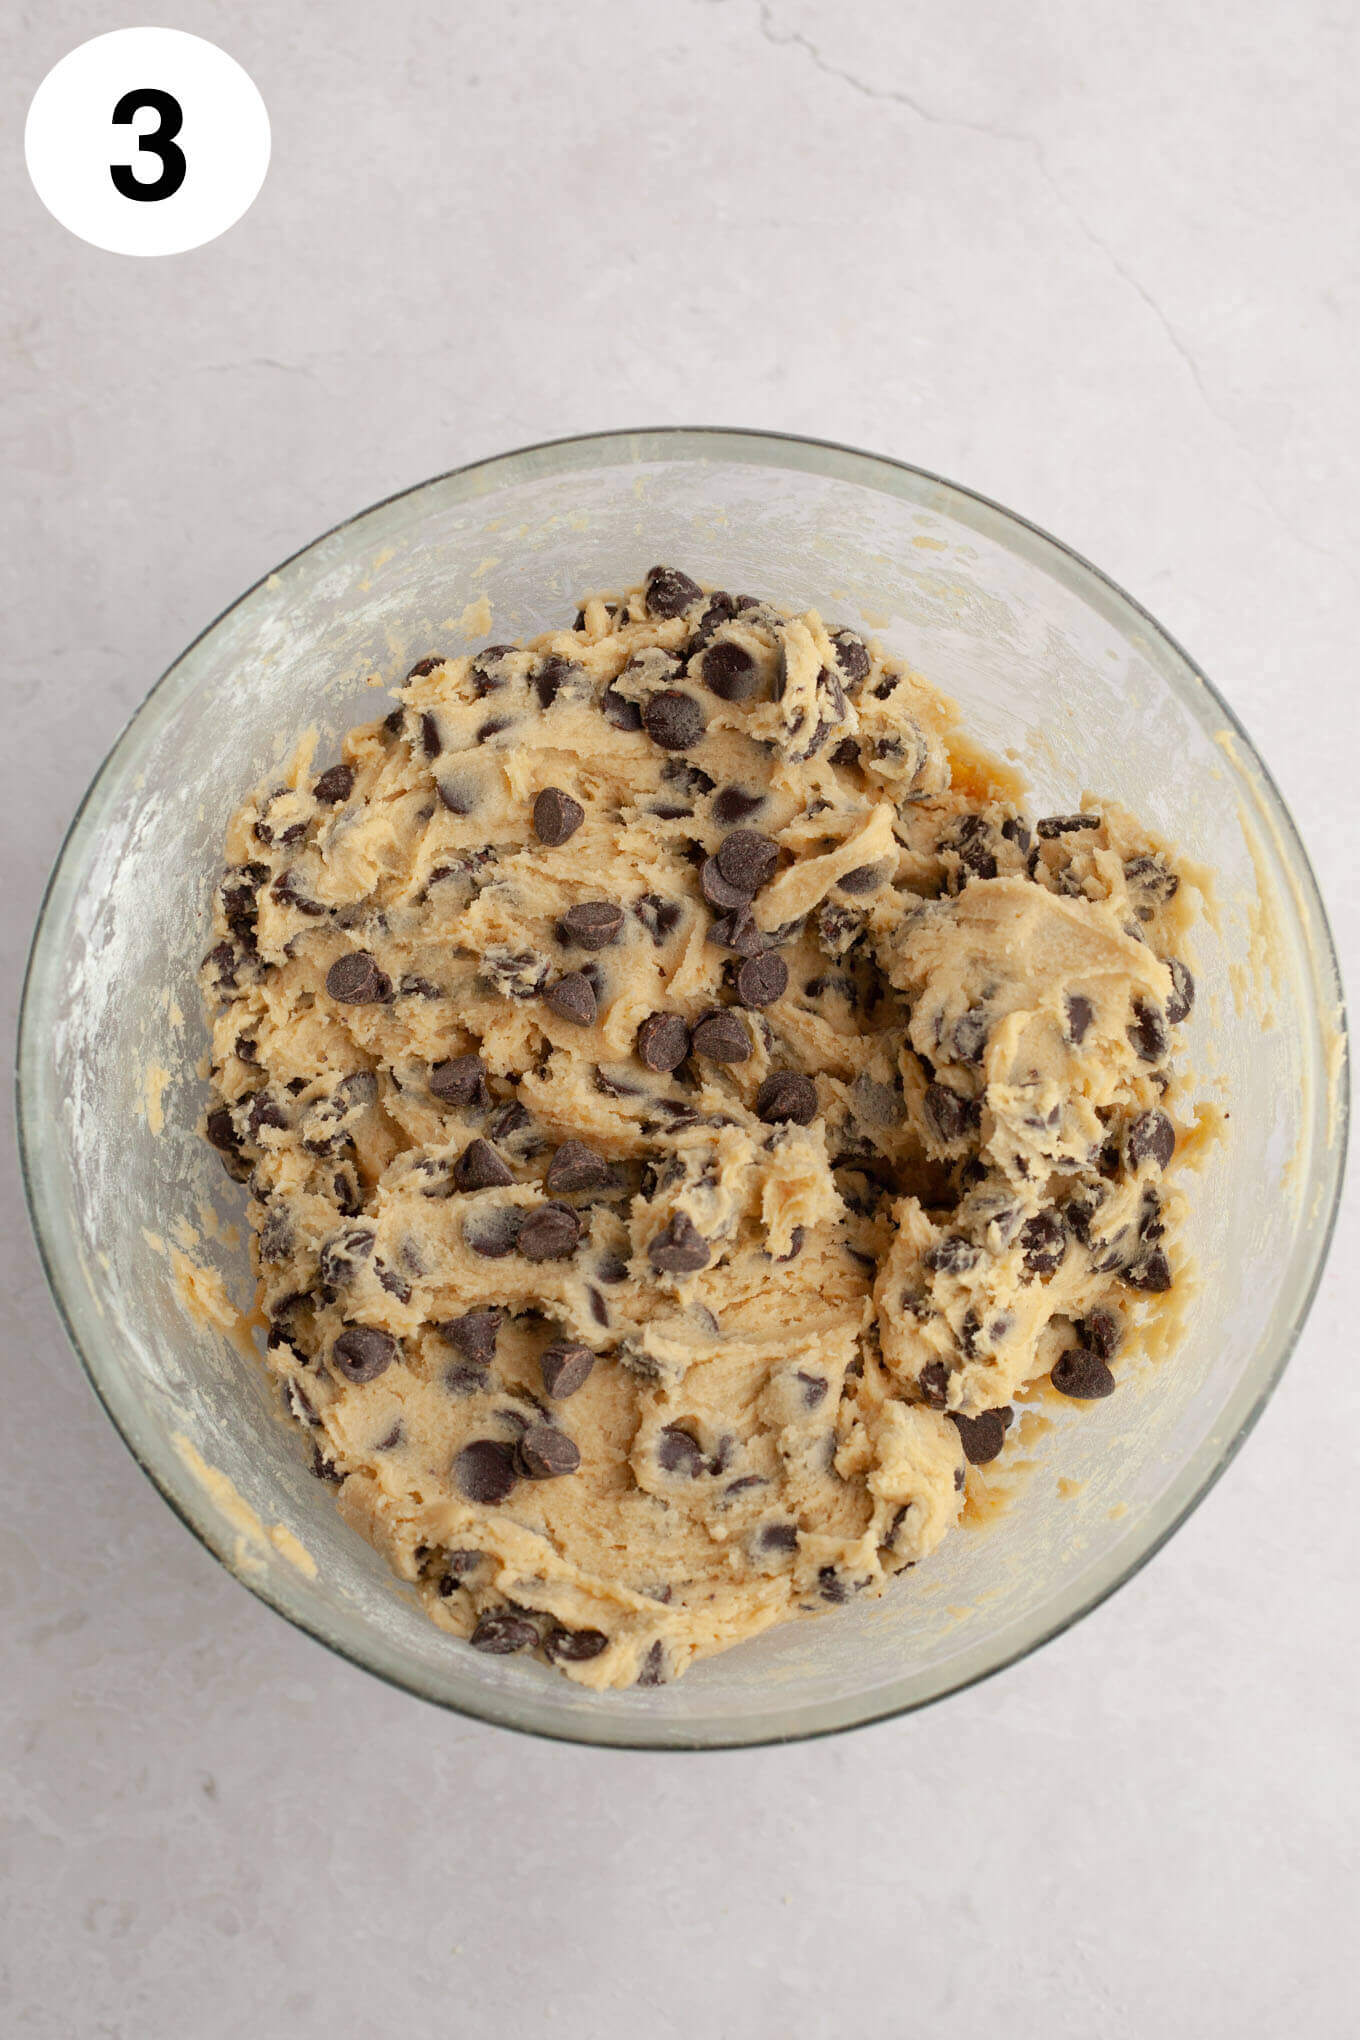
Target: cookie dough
(684,1101)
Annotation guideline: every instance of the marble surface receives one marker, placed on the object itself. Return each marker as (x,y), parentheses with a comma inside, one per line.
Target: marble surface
(1098,263)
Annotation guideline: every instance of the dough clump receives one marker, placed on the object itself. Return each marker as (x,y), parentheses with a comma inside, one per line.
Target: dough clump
(684,1101)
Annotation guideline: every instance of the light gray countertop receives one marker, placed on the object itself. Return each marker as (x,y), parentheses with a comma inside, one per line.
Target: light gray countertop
(1095,261)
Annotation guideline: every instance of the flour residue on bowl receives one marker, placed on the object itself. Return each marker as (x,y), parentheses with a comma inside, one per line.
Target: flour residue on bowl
(253,1539)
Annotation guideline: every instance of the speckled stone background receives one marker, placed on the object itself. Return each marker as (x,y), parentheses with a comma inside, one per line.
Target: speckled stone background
(1096,261)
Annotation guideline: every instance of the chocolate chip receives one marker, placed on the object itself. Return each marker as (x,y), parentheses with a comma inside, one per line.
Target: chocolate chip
(762,979)
(485,1471)
(813,1386)
(1102,1331)
(474,1334)
(430,741)
(982,1436)
(485,669)
(831,982)
(1064,825)
(845,753)
(679,1452)
(514,973)
(737,931)
(467,1378)
(669,592)
(852,655)
(494,1234)
(324,1468)
(1147,1031)
(565,1368)
(1151,1272)
(459,1081)
(395,1284)
(223,960)
(620,711)
(970,1035)
(240,901)
(971,840)
(594,924)
(653,1671)
(572,998)
(356,980)
(459,793)
(551,675)
(502,1634)
(479,1167)
(735,805)
(359,1090)
(663,1041)
(1151,1138)
(865,878)
(952,1255)
(221,1131)
(933,1381)
(362,1352)
(719,609)
(340,1256)
(1080,1014)
(785,1096)
(779,1537)
(610,1085)
(719,891)
(948,1115)
(459,1565)
(556,816)
(546,1454)
(334,786)
(574,1646)
(424,667)
(721,1036)
(552,1233)
(1043,1242)
(276,1238)
(1151,877)
(510,1120)
(262,1110)
(659,917)
(679,1248)
(286,891)
(492,727)
(1182,991)
(746,860)
(1082,1375)
(673,720)
(612,1268)
(729,671)
(575,1167)
(298,1404)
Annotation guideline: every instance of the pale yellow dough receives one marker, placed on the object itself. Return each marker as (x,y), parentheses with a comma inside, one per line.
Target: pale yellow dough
(772,1432)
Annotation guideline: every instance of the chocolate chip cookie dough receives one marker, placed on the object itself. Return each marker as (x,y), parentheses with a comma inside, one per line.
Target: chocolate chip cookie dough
(684,1100)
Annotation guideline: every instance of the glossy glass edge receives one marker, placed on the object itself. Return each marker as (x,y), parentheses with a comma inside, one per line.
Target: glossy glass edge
(852,465)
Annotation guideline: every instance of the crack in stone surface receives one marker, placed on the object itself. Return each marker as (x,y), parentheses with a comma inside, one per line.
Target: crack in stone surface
(1034,148)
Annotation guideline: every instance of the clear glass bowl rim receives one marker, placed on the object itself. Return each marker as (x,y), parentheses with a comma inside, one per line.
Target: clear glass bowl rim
(794,452)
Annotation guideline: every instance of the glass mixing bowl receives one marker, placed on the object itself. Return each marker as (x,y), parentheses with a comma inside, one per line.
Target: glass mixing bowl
(1050,663)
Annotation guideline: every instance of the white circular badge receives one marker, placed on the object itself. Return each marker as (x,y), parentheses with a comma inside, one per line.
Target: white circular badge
(147,141)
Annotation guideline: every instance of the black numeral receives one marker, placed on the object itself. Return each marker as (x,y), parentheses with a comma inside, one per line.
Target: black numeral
(161,142)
